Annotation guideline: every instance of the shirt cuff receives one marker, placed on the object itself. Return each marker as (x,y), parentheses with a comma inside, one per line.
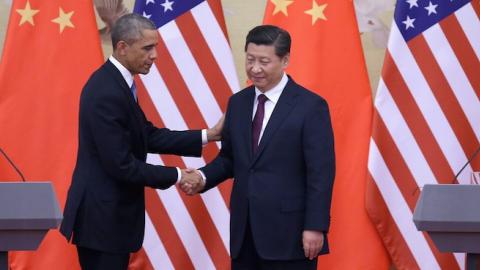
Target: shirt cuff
(204,178)
(204,137)
(179,173)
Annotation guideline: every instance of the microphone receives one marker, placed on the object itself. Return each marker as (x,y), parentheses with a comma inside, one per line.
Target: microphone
(465,165)
(460,171)
(13,165)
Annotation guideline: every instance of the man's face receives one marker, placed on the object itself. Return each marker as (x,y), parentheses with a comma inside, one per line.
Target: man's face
(263,67)
(140,55)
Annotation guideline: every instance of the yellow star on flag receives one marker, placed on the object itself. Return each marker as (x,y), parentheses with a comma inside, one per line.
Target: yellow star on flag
(317,12)
(27,14)
(281,5)
(63,19)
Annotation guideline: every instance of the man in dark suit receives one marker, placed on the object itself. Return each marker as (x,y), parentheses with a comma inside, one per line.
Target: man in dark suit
(277,143)
(105,208)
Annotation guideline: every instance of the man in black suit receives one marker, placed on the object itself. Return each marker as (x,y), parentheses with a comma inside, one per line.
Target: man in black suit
(277,142)
(105,208)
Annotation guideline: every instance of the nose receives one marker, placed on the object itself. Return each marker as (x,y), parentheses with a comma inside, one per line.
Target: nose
(256,68)
(153,54)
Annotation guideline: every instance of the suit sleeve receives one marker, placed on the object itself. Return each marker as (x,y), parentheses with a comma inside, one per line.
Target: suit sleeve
(221,168)
(165,141)
(319,156)
(108,121)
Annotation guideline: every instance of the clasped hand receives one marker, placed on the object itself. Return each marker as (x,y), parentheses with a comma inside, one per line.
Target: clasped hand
(191,182)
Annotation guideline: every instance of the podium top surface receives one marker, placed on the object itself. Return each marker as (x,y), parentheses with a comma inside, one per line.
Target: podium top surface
(28,205)
(448,208)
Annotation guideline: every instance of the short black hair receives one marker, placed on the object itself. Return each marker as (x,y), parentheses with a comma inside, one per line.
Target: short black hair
(270,35)
(129,28)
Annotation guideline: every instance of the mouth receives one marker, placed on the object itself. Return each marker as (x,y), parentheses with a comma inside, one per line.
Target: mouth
(256,78)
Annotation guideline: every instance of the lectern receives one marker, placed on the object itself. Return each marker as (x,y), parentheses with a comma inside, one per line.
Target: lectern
(450,214)
(27,211)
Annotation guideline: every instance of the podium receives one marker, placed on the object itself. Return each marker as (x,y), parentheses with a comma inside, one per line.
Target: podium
(450,214)
(27,211)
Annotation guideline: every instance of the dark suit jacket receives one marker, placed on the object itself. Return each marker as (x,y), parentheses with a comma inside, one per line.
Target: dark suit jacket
(105,206)
(286,186)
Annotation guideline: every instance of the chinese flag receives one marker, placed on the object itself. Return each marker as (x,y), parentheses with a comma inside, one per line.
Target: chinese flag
(51,48)
(326,57)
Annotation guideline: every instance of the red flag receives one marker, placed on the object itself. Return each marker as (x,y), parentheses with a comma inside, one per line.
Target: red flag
(326,57)
(426,120)
(51,49)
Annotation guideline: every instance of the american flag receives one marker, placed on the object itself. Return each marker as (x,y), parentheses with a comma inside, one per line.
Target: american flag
(426,121)
(187,88)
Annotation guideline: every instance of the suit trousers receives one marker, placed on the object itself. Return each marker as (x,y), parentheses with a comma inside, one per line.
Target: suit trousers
(248,259)
(91,259)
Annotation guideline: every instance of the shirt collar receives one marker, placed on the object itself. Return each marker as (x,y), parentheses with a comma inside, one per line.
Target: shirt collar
(123,70)
(274,93)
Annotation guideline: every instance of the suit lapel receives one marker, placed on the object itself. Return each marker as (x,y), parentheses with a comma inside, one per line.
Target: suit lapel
(246,110)
(285,104)
(134,107)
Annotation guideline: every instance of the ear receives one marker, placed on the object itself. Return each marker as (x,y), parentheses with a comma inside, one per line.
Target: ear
(122,47)
(286,60)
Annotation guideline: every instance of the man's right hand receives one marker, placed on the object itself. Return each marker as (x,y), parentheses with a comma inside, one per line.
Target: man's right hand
(191,182)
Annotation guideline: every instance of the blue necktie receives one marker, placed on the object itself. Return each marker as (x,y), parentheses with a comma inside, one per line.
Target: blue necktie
(134,91)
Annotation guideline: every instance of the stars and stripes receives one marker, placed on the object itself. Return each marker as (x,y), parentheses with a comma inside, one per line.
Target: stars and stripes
(187,88)
(426,121)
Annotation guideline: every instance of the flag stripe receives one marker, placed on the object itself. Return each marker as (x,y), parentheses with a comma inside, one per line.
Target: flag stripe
(181,99)
(424,98)
(221,215)
(203,222)
(415,120)
(456,76)
(389,230)
(403,178)
(402,135)
(211,31)
(427,112)
(153,246)
(470,23)
(182,220)
(395,163)
(207,64)
(463,50)
(214,245)
(476,8)
(217,12)
(184,225)
(454,72)
(187,88)
(166,231)
(441,89)
(190,73)
(177,88)
(399,210)
(400,173)
(163,102)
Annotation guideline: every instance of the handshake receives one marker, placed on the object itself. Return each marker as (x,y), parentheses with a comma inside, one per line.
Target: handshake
(191,181)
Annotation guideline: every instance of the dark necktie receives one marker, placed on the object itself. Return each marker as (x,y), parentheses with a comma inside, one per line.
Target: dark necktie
(134,91)
(258,121)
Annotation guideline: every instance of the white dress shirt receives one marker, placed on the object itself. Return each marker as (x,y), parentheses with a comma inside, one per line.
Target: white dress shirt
(273,95)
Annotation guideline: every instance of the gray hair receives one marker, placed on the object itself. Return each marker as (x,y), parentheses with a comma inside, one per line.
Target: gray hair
(129,28)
